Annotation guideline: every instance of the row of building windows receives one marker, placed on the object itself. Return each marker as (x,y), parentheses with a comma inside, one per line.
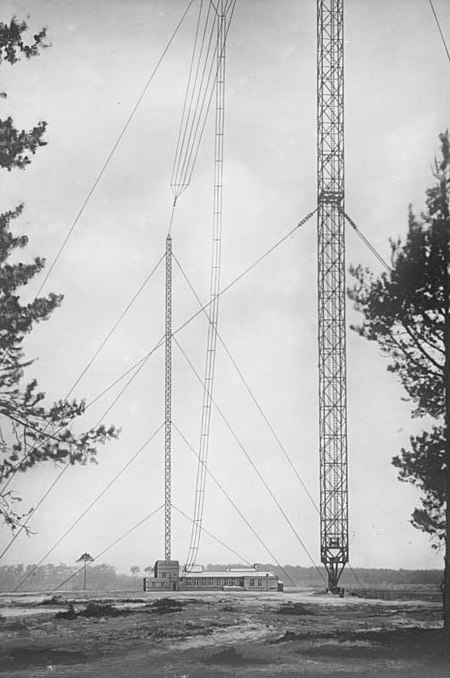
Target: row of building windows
(220,581)
(213,581)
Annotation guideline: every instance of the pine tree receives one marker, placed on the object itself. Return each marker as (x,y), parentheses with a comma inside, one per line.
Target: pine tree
(16,145)
(85,558)
(407,311)
(30,432)
(404,311)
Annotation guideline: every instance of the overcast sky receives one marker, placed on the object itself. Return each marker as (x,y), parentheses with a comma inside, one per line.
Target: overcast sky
(102,53)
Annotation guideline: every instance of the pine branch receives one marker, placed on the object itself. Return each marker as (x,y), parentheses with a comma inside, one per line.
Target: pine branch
(425,353)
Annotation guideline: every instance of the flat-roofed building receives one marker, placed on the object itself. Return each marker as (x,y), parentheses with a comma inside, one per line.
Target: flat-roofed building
(246,580)
(167,577)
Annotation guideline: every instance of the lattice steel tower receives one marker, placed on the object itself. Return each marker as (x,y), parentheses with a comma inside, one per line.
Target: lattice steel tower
(331,288)
(168,405)
(221,7)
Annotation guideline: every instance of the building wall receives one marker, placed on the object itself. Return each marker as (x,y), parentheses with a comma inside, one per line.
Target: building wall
(212,583)
(157,584)
(167,569)
(247,583)
(255,583)
(167,578)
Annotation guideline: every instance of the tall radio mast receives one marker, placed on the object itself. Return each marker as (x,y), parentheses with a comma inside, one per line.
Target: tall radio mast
(331,289)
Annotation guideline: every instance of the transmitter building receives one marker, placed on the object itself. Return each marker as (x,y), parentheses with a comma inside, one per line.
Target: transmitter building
(167,577)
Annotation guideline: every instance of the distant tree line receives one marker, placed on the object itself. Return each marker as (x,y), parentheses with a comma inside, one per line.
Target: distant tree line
(368,577)
(105,577)
(101,577)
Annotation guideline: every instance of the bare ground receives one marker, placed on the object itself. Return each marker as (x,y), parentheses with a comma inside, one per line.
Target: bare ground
(228,635)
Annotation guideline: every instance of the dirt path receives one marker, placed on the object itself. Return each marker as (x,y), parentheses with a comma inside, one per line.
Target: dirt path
(226,635)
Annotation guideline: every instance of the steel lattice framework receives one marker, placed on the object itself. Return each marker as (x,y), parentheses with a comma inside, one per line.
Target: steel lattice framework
(221,8)
(168,405)
(331,288)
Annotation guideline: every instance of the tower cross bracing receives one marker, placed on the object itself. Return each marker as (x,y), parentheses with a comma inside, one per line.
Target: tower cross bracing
(168,405)
(331,290)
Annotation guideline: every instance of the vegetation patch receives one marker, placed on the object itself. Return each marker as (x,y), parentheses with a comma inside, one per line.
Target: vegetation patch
(102,610)
(166,606)
(54,600)
(92,610)
(296,609)
(70,613)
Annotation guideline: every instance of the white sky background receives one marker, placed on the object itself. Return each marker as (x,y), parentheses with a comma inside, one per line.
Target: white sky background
(397,102)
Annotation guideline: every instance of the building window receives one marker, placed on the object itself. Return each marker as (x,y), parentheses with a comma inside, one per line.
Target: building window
(252,582)
(259,582)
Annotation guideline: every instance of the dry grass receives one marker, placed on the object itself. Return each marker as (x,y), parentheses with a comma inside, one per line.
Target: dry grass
(225,635)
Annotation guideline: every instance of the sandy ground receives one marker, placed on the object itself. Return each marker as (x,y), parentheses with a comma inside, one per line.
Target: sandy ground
(227,635)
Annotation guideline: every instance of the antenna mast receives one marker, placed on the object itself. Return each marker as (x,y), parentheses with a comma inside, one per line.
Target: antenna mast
(221,8)
(168,406)
(331,288)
